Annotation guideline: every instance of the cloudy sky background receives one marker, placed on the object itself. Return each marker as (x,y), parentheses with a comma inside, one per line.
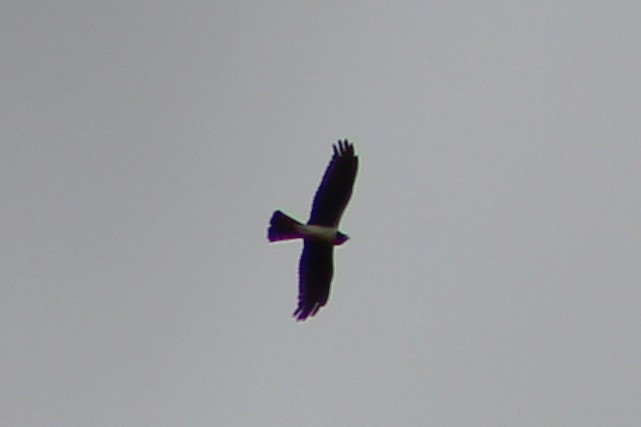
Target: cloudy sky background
(493,274)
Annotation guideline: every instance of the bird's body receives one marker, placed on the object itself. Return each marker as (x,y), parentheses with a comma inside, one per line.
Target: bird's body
(321,232)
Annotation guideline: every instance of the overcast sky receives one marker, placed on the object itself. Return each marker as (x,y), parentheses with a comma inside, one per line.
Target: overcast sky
(493,275)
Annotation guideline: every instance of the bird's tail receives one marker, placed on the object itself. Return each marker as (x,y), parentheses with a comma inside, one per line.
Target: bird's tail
(283,227)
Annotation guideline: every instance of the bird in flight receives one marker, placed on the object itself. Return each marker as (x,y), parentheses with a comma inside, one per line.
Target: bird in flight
(320,234)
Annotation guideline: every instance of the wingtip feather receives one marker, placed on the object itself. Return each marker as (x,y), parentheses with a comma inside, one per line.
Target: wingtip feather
(303,313)
(343,148)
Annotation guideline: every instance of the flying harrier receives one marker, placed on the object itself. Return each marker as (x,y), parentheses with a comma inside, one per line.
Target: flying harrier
(320,234)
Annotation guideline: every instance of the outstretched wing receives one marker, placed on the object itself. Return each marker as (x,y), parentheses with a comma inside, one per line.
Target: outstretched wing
(336,187)
(315,275)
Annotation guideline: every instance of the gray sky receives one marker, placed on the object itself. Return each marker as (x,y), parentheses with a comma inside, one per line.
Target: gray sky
(493,275)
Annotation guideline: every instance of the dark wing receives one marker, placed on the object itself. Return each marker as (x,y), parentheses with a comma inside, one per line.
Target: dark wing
(315,275)
(336,187)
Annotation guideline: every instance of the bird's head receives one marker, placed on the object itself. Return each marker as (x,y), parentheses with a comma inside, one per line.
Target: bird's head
(340,238)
